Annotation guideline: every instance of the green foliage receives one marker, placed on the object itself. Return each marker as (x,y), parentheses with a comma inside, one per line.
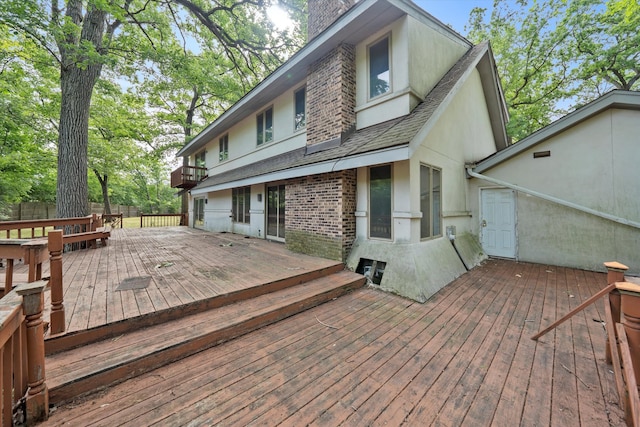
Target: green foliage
(156,72)
(553,56)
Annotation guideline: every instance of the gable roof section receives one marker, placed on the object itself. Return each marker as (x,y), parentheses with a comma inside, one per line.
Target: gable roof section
(352,27)
(380,143)
(614,99)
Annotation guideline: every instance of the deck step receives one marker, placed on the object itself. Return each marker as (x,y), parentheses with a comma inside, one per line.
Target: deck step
(84,369)
(66,341)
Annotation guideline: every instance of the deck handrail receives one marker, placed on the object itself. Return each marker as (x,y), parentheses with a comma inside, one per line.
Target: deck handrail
(162,220)
(623,370)
(114,219)
(82,223)
(22,371)
(618,317)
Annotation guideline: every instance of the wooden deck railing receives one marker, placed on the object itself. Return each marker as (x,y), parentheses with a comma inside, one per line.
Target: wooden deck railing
(188,176)
(30,229)
(114,219)
(24,395)
(83,231)
(622,323)
(162,220)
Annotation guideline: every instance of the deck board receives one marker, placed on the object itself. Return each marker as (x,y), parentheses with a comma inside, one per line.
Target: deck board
(464,357)
(186,265)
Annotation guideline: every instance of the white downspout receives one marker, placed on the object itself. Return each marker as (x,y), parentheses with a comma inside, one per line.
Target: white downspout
(552,199)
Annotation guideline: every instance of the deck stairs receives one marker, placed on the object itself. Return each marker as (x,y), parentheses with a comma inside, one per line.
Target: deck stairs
(77,364)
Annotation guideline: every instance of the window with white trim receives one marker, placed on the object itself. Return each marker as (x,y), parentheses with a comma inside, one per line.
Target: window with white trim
(224,148)
(430,202)
(264,123)
(241,203)
(300,115)
(379,68)
(380,202)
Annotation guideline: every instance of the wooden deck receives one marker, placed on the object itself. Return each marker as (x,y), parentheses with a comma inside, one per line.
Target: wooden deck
(371,358)
(178,265)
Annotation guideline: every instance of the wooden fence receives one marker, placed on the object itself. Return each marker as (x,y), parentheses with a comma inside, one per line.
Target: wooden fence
(39,210)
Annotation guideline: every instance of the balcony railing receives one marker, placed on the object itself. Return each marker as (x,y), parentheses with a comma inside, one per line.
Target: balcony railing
(188,176)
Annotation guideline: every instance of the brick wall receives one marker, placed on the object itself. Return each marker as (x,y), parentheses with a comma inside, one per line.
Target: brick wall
(331,96)
(320,217)
(323,13)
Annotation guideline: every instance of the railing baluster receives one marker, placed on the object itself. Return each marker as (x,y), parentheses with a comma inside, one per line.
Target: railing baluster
(57,293)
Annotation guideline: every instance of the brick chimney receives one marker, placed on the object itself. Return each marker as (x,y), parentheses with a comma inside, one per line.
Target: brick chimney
(331,81)
(323,13)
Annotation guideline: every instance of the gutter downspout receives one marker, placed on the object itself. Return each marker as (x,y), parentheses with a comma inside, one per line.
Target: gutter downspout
(552,199)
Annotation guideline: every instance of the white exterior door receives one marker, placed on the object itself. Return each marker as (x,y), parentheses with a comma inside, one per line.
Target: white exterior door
(498,224)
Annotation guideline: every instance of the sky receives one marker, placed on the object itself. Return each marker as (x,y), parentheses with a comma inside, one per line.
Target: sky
(453,12)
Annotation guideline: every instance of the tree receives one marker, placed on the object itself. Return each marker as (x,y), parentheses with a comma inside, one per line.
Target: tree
(26,133)
(534,70)
(84,36)
(119,126)
(553,56)
(604,40)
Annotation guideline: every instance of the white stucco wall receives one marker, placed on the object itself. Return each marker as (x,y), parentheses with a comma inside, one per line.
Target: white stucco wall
(432,55)
(418,268)
(243,148)
(592,164)
(420,56)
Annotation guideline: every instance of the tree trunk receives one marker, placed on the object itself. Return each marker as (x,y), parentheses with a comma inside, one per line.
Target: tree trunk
(188,126)
(104,185)
(77,80)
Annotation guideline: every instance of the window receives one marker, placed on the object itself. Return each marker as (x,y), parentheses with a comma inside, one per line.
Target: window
(198,212)
(224,148)
(264,122)
(430,205)
(300,117)
(201,164)
(241,201)
(379,75)
(380,202)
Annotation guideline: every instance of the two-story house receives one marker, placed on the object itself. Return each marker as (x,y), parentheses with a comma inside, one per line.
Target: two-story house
(355,148)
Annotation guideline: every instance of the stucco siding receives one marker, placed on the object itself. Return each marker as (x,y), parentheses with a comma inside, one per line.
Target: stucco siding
(432,55)
(592,164)
(243,148)
(462,135)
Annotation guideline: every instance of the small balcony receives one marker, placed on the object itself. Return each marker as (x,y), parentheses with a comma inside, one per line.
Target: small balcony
(188,176)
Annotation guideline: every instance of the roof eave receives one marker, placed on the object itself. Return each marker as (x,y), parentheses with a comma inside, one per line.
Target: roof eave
(369,13)
(613,99)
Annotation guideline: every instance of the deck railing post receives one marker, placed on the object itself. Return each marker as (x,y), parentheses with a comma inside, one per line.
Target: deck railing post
(630,308)
(615,273)
(37,401)
(57,295)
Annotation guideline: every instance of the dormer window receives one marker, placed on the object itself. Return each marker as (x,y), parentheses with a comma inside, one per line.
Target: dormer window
(379,71)
(300,116)
(224,148)
(264,122)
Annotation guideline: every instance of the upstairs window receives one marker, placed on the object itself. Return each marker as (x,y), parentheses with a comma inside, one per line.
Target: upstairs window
(430,202)
(241,202)
(379,72)
(224,148)
(300,117)
(264,122)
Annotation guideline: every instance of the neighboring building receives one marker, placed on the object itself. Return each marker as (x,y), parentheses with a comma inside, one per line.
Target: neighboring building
(355,148)
(568,194)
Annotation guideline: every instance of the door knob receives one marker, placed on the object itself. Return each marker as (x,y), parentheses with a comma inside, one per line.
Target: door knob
(484,222)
